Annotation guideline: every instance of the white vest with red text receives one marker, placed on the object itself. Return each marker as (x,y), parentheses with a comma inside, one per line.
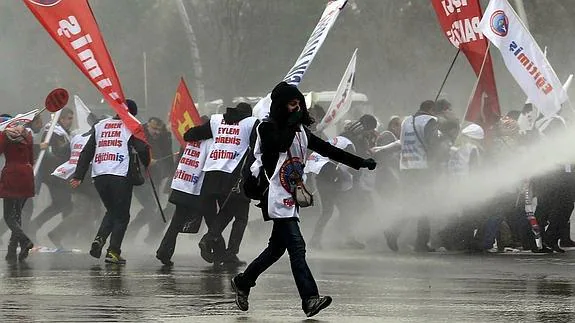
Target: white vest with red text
(281,204)
(67,169)
(315,161)
(413,154)
(111,156)
(189,175)
(231,141)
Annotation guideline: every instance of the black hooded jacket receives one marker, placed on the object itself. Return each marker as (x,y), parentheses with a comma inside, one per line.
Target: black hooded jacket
(277,135)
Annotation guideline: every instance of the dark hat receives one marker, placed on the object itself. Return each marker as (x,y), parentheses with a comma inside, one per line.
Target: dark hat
(281,95)
(132,107)
(205,119)
(244,107)
(284,92)
(513,114)
(368,121)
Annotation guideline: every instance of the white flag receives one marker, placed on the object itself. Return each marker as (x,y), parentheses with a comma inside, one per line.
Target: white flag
(341,102)
(523,57)
(81,116)
(19,120)
(318,36)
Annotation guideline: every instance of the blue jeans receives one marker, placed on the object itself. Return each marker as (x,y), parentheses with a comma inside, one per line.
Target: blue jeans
(286,235)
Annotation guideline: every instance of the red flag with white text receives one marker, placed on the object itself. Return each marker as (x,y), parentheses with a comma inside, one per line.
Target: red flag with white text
(184,114)
(459,19)
(72,25)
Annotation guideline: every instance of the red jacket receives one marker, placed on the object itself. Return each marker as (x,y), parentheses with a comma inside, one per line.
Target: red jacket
(17,179)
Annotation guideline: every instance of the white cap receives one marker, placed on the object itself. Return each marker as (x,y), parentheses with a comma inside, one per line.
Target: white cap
(473,131)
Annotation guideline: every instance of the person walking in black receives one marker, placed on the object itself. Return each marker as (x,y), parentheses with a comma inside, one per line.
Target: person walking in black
(233,134)
(281,151)
(108,149)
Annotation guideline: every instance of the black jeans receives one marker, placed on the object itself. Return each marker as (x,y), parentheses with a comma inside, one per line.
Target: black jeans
(61,195)
(182,215)
(555,205)
(236,207)
(285,235)
(13,218)
(116,194)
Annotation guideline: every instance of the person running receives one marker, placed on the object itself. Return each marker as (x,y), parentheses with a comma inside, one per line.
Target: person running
(281,149)
(108,149)
(186,187)
(233,132)
(57,153)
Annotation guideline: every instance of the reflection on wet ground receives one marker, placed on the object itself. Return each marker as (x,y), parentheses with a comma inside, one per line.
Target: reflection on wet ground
(365,287)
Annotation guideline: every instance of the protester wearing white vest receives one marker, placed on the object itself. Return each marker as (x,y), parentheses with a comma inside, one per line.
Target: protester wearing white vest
(281,150)
(334,182)
(362,134)
(418,166)
(108,149)
(57,152)
(232,132)
(464,160)
(87,205)
(186,186)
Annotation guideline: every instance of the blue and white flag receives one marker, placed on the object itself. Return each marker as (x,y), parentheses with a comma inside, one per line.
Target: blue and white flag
(318,36)
(523,57)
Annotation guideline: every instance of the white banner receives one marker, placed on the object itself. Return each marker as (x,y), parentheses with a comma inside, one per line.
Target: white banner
(523,57)
(81,116)
(318,36)
(19,120)
(67,169)
(341,102)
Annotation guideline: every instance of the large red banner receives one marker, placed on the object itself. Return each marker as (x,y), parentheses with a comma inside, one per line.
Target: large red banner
(72,25)
(184,114)
(460,19)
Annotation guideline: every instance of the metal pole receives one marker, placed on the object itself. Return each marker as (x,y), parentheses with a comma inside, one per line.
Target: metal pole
(196,62)
(521,12)
(145,82)
(447,75)
(156,195)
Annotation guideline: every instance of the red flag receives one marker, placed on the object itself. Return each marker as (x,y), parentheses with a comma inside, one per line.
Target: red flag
(460,19)
(184,114)
(72,25)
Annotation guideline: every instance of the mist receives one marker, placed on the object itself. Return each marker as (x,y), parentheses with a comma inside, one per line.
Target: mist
(246,47)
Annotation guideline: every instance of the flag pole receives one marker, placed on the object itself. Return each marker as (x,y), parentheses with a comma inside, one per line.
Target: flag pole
(476,85)
(447,75)
(145,81)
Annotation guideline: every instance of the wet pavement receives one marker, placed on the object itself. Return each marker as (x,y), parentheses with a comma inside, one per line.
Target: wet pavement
(366,287)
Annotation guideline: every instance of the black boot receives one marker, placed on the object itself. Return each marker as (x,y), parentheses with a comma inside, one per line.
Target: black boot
(96,248)
(231,259)
(164,258)
(11,255)
(242,294)
(314,305)
(566,241)
(206,250)
(25,250)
